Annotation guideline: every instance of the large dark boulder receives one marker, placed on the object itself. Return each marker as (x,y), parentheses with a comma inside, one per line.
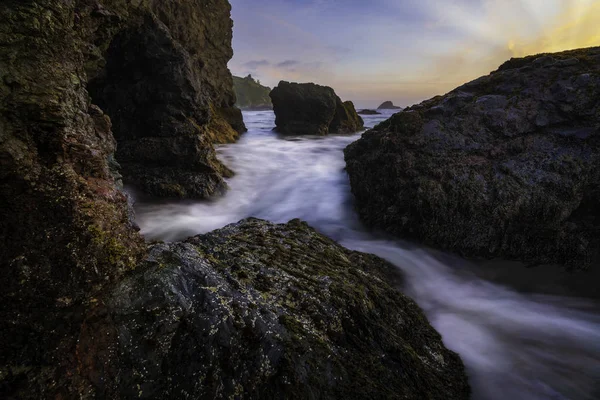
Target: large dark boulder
(504,166)
(263,311)
(388,105)
(310,109)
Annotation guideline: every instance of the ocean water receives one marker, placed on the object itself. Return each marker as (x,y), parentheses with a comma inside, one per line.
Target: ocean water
(515,344)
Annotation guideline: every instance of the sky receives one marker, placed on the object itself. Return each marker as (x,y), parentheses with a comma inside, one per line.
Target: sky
(406,51)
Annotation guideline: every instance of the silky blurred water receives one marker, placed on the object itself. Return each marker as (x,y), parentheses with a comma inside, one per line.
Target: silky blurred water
(515,345)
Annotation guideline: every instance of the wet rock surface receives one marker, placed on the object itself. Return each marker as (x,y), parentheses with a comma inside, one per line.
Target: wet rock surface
(504,166)
(310,109)
(65,228)
(257,310)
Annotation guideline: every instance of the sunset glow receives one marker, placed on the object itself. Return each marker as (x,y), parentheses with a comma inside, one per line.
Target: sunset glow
(402,50)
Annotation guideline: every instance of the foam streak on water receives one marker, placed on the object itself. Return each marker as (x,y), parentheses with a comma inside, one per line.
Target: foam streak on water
(515,346)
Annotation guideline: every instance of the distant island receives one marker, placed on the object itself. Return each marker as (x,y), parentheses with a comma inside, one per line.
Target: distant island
(368,112)
(388,105)
(251,95)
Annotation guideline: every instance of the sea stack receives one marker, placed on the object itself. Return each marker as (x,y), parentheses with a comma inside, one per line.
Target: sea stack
(310,109)
(388,105)
(505,166)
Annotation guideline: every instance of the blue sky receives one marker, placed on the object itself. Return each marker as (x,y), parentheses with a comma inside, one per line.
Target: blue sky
(400,50)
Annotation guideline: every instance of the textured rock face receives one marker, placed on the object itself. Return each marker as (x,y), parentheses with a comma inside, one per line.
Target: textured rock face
(388,105)
(263,311)
(310,109)
(504,166)
(65,230)
(169,93)
(64,226)
(251,95)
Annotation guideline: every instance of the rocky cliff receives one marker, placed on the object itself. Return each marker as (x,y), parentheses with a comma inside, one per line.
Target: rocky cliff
(65,229)
(159,70)
(310,109)
(505,166)
(161,74)
(251,94)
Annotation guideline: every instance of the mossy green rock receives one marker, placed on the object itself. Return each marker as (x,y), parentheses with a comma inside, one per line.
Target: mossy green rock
(263,311)
(310,109)
(505,166)
(250,94)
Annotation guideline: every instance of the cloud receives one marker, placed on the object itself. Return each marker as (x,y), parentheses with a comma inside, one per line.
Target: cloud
(288,63)
(255,64)
(339,50)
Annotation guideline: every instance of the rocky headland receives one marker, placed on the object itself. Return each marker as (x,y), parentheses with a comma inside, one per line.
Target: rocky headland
(505,166)
(88,310)
(251,95)
(311,109)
